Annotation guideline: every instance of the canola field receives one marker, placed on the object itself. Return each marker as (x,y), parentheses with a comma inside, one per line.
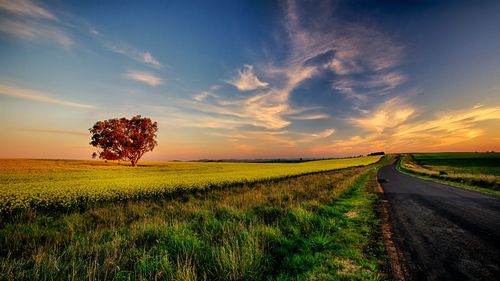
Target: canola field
(50,184)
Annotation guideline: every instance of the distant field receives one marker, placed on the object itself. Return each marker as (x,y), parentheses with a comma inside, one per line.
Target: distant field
(476,169)
(63,183)
(461,162)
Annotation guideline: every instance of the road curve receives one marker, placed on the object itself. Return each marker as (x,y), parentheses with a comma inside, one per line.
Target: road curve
(442,232)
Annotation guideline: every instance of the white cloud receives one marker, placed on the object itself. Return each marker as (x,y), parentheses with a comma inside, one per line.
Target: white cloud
(391,113)
(342,67)
(26,8)
(147,58)
(360,49)
(318,116)
(477,105)
(324,134)
(135,54)
(126,50)
(94,31)
(29,94)
(305,138)
(201,96)
(144,77)
(29,21)
(35,32)
(406,134)
(247,80)
(352,49)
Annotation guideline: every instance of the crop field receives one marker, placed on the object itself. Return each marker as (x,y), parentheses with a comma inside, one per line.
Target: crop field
(56,184)
(319,226)
(461,162)
(476,169)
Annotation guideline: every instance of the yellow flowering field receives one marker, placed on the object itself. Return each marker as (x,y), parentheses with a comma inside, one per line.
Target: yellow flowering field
(65,183)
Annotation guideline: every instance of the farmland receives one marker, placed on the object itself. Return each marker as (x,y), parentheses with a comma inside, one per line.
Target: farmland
(467,169)
(54,184)
(319,226)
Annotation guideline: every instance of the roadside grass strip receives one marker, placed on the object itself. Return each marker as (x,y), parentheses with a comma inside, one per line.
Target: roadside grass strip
(489,183)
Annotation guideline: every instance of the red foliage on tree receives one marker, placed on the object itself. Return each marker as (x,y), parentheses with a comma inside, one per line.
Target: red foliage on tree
(124,139)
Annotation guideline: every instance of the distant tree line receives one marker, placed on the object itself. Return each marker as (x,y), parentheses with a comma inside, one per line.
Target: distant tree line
(376,153)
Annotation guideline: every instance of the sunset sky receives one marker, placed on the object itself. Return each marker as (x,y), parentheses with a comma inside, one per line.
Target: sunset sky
(251,79)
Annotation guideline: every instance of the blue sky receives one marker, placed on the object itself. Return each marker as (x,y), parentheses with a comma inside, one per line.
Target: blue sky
(252,79)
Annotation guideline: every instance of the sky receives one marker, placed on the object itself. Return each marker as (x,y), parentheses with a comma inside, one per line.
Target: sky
(251,79)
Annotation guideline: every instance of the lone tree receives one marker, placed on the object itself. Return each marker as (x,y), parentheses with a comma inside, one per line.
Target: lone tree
(124,139)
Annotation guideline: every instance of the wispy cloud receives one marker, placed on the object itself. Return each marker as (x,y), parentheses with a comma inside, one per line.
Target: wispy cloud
(247,80)
(477,105)
(30,21)
(349,51)
(135,54)
(361,58)
(35,32)
(201,96)
(34,95)
(324,134)
(318,116)
(125,49)
(26,8)
(450,122)
(147,58)
(406,134)
(259,138)
(144,77)
(389,114)
(311,138)
(359,49)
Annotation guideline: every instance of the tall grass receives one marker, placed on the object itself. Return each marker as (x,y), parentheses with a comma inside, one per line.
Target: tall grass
(313,227)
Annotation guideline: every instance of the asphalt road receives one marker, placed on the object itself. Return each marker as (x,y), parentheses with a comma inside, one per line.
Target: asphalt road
(442,232)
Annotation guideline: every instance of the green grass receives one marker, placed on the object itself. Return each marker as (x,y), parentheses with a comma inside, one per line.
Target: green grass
(474,171)
(319,226)
(461,162)
(60,184)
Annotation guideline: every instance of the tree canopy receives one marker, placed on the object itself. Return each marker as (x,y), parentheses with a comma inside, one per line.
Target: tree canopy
(124,139)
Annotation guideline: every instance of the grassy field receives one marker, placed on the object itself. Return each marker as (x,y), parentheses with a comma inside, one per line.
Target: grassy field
(318,226)
(480,170)
(56,184)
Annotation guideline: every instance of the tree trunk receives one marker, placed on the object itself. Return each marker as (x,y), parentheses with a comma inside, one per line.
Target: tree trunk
(134,163)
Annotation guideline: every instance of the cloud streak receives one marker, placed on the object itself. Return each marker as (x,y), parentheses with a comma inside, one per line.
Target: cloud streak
(144,57)
(144,77)
(34,95)
(391,113)
(323,47)
(26,8)
(406,132)
(35,32)
(319,116)
(32,22)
